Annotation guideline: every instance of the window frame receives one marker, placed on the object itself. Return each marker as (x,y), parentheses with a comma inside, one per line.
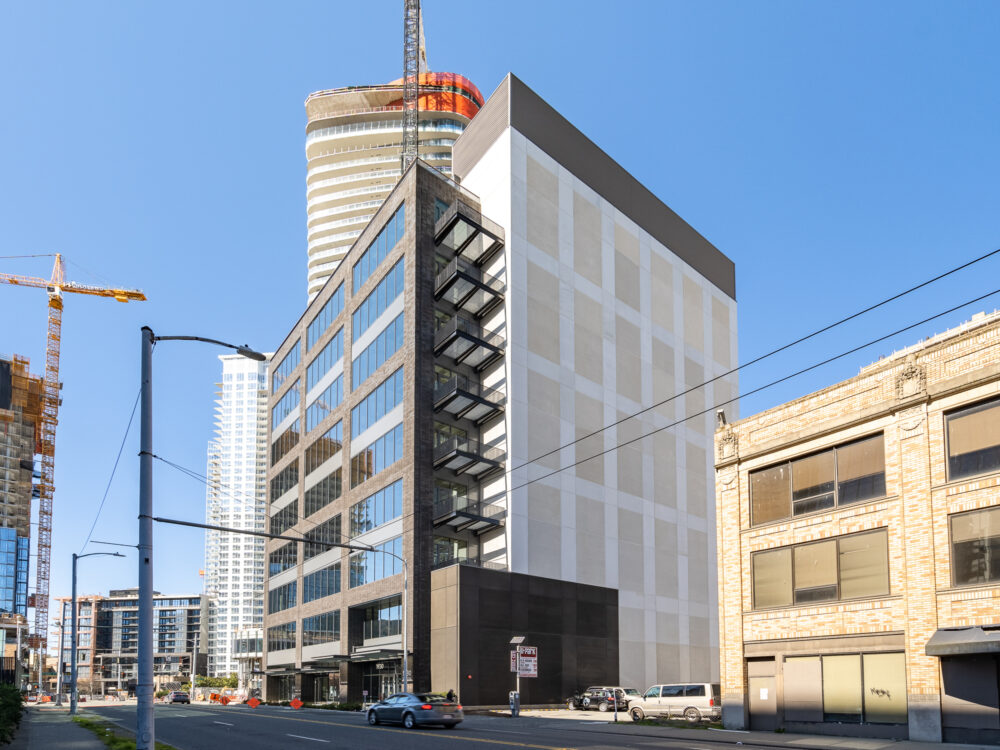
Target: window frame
(951,548)
(821,602)
(836,482)
(981,405)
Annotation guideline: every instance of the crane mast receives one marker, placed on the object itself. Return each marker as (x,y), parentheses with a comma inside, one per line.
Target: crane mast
(54,287)
(411,81)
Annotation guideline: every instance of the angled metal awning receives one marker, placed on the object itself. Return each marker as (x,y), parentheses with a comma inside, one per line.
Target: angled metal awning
(977,639)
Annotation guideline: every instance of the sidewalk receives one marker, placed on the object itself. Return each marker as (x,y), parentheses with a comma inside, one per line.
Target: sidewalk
(735,738)
(52,728)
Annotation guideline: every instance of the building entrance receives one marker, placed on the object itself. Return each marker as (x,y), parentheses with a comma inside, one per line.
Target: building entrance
(381,679)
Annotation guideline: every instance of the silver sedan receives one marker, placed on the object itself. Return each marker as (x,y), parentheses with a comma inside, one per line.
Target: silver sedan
(412,709)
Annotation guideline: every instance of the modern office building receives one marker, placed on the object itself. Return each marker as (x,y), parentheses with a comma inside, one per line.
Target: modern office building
(236,498)
(108,639)
(20,439)
(860,550)
(353,147)
(469,330)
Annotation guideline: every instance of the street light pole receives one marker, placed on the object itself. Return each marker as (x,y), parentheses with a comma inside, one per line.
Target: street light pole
(73,694)
(144,682)
(145,729)
(406,659)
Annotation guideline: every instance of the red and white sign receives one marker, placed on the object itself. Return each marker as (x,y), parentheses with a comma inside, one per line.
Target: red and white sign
(513,661)
(527,661)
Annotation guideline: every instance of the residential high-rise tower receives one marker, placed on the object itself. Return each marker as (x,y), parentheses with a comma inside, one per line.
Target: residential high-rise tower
(237,462)
(353,147)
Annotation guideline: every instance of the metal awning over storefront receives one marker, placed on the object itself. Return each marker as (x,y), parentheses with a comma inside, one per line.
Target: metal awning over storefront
(980,639)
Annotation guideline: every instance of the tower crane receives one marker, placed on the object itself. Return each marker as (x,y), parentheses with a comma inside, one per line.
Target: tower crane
(55,287)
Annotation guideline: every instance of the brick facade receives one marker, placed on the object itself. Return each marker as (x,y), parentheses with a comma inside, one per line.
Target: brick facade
(905,398)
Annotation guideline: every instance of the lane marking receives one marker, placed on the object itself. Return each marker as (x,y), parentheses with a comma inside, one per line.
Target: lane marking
(312,739)
(226,723)
(408,732)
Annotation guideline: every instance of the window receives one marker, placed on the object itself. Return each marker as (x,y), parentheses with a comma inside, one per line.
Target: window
(440,208)
(375,510)
(383,618)
(387,291)
(366,567)
(325,447)
(321,628)
(848,567)
(285,368)
(383,452)
(847,474)
(973,440)
(324,582)
(381,246)
(281,637)
(285,518)
(281,598)
(975,547)
(285,442)
(323,492)
(325,403)
(378,403)
(327,314)
(446,550)
(328,531)
(286,405)
(326,359)
(387,343)
(286,479)
(283,558)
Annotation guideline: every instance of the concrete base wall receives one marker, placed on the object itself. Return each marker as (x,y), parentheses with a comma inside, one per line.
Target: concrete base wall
(924,713)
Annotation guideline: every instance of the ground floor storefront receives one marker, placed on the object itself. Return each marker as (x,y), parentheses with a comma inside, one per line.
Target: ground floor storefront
(862,686)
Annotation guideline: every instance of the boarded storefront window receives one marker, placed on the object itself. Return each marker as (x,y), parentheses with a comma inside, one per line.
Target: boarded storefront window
(885,688)
(842,688)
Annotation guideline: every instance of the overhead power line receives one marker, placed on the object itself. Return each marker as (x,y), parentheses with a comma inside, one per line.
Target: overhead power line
(761,358)
(761,388)
(107,489)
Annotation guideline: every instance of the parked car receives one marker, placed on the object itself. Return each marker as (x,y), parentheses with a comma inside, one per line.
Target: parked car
(412,709)
(692,701)
(602,697)
(177,696)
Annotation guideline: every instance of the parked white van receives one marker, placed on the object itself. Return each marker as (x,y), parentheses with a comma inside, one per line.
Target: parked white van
(692,701)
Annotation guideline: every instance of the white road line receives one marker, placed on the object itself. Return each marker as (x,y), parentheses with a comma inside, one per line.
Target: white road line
(226,723)
(300,737)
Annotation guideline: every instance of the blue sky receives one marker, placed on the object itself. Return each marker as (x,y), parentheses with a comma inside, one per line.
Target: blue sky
(837,152)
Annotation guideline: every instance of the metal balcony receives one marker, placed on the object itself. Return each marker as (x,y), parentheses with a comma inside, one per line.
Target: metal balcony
(465,456)
(464,340)
(475,562)
(461,515)
(463,284)
(466,232)
(467,399)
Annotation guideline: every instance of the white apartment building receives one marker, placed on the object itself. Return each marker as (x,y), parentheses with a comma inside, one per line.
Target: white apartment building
(236,498)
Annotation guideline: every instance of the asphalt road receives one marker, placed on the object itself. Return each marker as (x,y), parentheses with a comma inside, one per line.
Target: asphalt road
(268,727)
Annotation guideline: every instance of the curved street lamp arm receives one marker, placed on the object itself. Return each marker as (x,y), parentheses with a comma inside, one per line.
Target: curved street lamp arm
(245,350)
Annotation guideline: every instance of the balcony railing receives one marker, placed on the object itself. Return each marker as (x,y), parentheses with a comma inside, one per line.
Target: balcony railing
(465,232)
(463,284)
(460,515)
(467,399)
(464,340)
(467,456)
(474,562)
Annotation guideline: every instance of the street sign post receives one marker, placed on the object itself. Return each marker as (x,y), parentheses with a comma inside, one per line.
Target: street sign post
(527,661)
